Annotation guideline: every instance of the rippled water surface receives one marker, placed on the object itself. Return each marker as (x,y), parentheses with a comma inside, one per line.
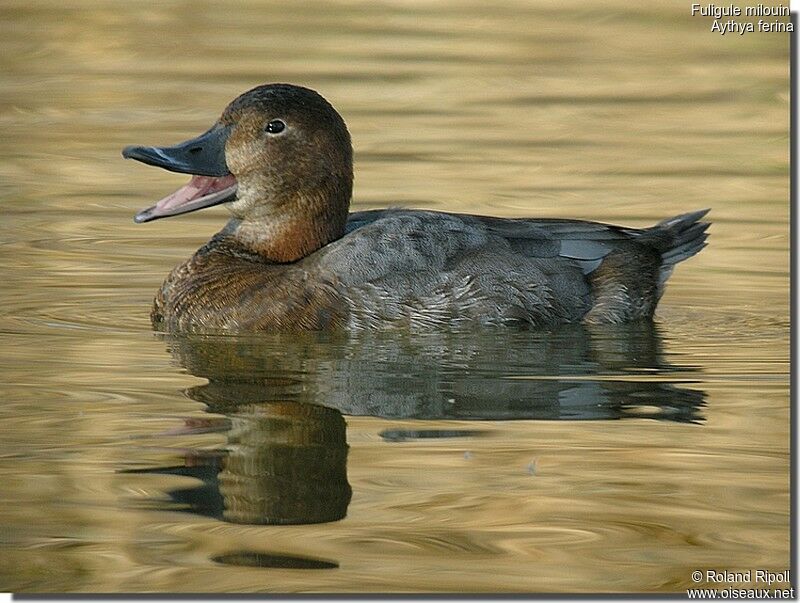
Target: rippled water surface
(572,461)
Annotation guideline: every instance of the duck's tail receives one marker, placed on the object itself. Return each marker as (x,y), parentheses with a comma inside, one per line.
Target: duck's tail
(677,239)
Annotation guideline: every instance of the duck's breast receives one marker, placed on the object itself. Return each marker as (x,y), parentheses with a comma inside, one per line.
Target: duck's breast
(221,289)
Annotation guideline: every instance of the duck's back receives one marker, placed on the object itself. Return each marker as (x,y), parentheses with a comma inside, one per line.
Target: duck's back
(429,269)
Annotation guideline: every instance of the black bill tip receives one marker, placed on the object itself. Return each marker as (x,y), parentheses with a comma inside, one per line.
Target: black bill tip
(146,215)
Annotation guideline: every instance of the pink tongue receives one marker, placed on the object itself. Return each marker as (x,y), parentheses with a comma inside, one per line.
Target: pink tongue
(198,186)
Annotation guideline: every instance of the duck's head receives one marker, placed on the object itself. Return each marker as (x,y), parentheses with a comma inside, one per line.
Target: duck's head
(277,152)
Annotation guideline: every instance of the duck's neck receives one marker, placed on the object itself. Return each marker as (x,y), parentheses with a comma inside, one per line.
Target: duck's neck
(289,231)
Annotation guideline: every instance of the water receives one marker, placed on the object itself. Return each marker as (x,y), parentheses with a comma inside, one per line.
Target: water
(569,461)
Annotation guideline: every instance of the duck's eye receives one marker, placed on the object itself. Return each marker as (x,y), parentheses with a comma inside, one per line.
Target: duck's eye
(276,126)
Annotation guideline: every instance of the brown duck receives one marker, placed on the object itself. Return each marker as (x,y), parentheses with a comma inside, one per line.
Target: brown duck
(292,257)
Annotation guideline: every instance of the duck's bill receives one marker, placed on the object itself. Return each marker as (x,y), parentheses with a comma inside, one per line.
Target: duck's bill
(200,192)
(202,157)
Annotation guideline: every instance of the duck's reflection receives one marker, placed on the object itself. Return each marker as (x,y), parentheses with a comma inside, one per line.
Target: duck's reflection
(284,463)
(605,373)
(282,398)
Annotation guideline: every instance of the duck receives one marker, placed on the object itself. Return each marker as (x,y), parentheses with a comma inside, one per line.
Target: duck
(292,257)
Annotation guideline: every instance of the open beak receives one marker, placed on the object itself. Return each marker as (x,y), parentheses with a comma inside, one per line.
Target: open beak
(202,157)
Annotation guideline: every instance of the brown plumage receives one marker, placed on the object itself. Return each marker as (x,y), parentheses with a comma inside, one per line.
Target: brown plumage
(293,258)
